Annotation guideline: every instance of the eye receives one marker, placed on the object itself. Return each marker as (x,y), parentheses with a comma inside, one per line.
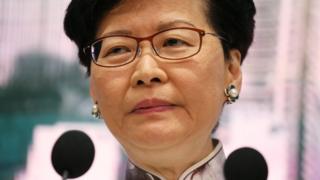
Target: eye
(118,50)
(174,42)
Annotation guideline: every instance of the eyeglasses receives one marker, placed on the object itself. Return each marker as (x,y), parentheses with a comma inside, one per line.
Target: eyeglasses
(172,45)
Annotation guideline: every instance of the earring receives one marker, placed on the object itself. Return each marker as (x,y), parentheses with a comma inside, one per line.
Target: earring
(95,111)
(232,94)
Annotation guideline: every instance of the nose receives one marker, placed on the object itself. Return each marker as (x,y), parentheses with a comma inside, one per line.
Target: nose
(147,71)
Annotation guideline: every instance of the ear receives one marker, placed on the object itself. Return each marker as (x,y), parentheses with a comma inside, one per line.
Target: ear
(92,91)
(233,69)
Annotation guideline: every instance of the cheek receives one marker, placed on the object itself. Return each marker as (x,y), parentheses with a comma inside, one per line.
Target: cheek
(206,96)
(202,87)
(106,88)
(205,78)
(212,82)
(109,92)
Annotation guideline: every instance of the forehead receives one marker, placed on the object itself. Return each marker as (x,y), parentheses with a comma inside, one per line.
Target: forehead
(148,16)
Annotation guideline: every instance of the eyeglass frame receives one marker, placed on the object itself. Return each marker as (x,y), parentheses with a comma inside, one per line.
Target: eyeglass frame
(201,32)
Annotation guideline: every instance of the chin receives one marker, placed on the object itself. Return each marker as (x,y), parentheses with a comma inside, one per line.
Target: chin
(155,138)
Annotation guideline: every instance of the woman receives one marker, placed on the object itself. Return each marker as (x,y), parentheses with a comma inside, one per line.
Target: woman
(160,73)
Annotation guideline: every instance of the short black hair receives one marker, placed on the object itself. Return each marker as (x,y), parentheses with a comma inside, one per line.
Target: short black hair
(231,19)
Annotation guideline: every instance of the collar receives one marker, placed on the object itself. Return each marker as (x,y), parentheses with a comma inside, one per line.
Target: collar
(210,167)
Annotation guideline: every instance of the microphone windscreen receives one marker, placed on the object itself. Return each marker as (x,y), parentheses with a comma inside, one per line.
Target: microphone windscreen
(73,152)
(245,164)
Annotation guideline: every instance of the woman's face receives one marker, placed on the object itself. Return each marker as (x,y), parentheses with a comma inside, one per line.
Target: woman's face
(151,104)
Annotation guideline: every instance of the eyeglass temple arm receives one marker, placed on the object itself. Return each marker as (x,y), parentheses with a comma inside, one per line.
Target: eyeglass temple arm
(85,49)
(220,37)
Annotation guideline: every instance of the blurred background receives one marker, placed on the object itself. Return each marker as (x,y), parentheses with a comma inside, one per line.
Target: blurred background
(44,92)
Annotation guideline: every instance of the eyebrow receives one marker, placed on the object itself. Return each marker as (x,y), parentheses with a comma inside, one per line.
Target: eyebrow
(161,26)
(117,32)
(175,23)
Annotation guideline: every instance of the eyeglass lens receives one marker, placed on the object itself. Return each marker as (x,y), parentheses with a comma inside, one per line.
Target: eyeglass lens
(174,44)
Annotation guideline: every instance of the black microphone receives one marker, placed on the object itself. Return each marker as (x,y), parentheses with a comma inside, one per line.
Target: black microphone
(72,154)
(245,164)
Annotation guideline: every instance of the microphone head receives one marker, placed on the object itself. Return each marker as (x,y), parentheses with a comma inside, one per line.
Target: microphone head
(245,164)
(73,152)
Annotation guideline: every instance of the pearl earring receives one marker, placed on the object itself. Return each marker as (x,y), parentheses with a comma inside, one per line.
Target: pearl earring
(95,111)
(232,94)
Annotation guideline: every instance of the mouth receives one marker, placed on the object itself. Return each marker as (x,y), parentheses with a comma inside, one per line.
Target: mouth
(151,106)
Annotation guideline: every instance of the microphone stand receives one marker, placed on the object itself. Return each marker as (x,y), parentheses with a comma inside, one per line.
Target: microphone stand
(65,175)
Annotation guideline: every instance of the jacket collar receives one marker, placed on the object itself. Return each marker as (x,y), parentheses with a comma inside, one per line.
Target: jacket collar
(210,167)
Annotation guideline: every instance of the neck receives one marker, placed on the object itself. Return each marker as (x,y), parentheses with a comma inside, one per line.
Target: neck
(170,163)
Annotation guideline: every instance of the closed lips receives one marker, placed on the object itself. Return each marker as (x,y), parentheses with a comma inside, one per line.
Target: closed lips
(151,103)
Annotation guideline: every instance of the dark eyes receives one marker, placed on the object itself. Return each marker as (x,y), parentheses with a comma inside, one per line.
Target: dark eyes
(174,42)
(117,50)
